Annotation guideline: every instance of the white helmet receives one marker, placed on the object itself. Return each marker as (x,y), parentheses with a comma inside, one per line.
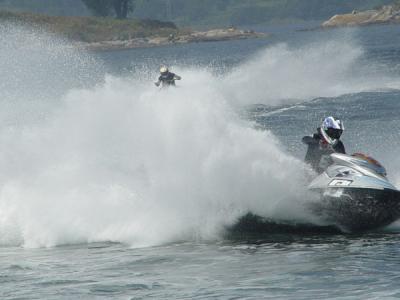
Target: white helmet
(163,69)
(332,129)
(330,122)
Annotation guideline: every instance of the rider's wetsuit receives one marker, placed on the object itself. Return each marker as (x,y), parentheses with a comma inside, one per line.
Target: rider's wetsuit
(319,150)
(167,79)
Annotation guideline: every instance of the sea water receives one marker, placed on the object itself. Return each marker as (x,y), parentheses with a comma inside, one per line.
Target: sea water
(114,189)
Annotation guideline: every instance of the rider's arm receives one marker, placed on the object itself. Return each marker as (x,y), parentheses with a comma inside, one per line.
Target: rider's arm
(309,140)
(157,83)
(313,154)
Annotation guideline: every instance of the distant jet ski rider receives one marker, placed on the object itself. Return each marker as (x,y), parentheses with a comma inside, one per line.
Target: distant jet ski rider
(323,143)
(166,78)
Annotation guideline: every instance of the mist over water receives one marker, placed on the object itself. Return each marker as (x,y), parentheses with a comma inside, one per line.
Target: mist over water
(122,161)
(282,74)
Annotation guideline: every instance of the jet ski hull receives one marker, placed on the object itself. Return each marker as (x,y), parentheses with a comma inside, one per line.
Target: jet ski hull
(357,209)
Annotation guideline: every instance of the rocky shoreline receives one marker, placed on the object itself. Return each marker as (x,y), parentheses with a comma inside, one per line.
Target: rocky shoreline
(192,37)
(388,14)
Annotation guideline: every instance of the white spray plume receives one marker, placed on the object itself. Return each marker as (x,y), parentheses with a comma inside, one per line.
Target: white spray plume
(280,74)
(126,162)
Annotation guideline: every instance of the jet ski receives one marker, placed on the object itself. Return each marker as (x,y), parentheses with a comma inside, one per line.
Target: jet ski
(354,194)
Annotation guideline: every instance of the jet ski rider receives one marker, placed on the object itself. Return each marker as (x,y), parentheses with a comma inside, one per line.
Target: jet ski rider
(323,143)
(166,78)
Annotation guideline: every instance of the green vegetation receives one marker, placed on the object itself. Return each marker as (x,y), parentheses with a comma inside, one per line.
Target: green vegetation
(49,7)
(204,13)
(93,29)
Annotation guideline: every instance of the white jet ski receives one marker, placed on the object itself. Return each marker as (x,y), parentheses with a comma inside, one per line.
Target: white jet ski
(354,194)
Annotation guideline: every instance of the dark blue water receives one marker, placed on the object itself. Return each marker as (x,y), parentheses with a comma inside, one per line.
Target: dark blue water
(318,267)
(270,266)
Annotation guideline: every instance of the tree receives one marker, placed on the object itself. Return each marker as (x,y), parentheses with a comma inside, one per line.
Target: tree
(122,7)
(104,8)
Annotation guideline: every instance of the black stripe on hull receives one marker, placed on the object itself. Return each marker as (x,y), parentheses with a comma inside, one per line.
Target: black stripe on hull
(357,209)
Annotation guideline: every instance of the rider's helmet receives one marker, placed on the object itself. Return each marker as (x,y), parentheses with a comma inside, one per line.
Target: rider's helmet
(332,129)
(163,70)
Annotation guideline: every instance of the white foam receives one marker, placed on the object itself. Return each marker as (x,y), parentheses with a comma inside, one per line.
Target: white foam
(126,162)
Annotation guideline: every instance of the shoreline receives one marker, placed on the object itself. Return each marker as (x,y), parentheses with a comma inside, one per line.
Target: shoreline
(103,34)
(213,35)
(388,14)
